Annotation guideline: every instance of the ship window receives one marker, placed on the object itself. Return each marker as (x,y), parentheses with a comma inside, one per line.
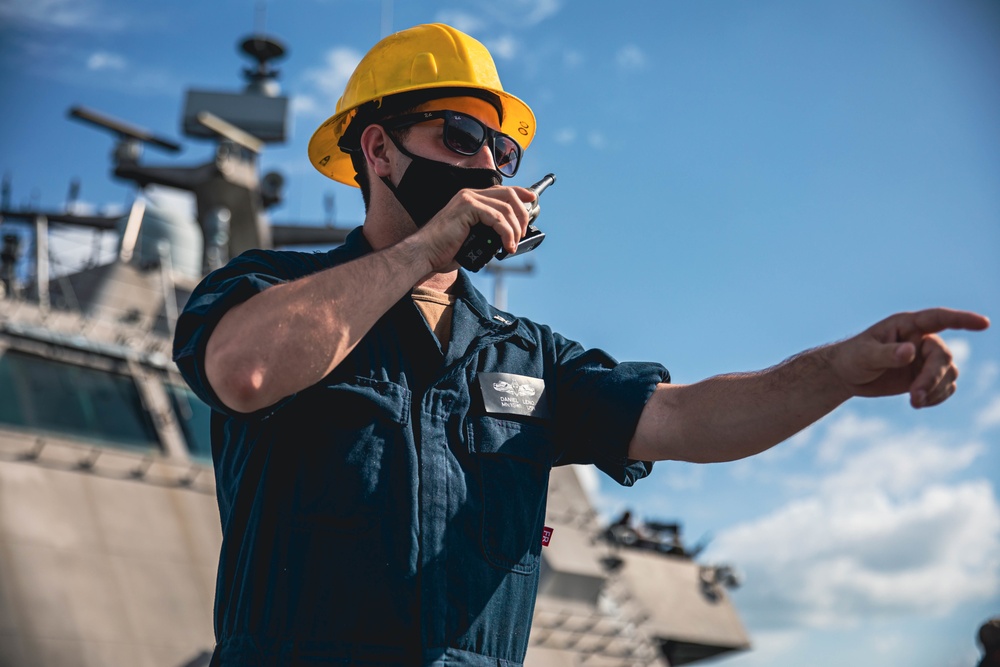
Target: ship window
(51,396)
(195,418)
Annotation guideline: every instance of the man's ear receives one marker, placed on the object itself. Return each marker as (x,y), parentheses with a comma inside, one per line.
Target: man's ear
(374,144)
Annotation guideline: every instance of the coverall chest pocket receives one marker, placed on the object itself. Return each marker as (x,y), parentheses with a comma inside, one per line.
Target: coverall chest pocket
(513,459)
(347,461)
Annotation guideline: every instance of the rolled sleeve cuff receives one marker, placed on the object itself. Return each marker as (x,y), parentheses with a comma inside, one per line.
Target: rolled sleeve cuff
(629,387)
(200,317)
(608,399)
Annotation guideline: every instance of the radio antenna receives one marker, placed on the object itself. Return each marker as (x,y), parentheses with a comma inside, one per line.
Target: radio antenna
(260,17)
(386,17)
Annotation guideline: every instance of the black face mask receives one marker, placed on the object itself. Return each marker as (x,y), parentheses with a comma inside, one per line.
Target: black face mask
(428,185)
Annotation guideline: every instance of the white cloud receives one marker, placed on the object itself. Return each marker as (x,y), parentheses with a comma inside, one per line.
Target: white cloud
(986,376)
(505,47)
(63,63)
(517,14)
(138,81)
(112,210)
(573,58)
(989,416)
(982,376)
(328,82)
(104,60)
(305,105)
(80,207)
(60,14)
(630,56)
(960,348)
(467,23)
(596,140)
(565,136)
(772,647)
(818,560)
(800,439)
(883,533)
(844,430)
(889,645)
(682,476)
(901,463)
(531,12)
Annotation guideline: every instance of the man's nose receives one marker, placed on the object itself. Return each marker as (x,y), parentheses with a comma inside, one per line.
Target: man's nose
(484,158)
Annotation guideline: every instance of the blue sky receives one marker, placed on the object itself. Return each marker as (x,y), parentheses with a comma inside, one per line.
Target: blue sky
(738,181)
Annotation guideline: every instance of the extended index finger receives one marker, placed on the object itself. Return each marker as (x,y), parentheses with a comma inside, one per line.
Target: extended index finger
(934,320)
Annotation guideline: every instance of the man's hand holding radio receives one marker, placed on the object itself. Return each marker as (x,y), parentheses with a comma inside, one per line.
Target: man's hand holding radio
(502,208)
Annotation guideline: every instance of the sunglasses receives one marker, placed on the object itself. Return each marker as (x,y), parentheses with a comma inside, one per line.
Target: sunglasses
(466,135)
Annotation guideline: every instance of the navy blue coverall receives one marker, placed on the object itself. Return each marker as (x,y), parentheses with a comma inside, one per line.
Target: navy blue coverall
(392,513)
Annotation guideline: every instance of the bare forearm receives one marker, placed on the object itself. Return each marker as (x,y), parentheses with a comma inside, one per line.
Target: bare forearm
(732,416)
(290,336)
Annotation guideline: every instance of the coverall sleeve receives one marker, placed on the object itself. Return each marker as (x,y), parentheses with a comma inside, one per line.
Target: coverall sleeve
(242,278)
(597,408)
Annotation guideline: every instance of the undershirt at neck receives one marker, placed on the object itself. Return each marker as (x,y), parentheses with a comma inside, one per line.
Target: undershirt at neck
(436,307)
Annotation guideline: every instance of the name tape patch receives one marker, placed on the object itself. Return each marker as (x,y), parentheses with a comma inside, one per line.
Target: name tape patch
(509,394)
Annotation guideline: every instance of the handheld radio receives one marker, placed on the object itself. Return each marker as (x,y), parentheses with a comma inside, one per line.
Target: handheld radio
(483,244)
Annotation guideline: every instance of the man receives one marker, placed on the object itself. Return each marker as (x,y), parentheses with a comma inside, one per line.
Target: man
(382,436)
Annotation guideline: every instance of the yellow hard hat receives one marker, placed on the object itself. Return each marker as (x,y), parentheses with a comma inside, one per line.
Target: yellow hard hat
(424,57)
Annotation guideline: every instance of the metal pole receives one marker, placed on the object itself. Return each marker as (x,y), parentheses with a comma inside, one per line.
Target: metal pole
(167,284)
(42,261)
(131,233)
(499,288)
(499,291)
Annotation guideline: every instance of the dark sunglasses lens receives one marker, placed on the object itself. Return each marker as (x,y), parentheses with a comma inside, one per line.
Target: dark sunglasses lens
(464,135)
(506,154)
